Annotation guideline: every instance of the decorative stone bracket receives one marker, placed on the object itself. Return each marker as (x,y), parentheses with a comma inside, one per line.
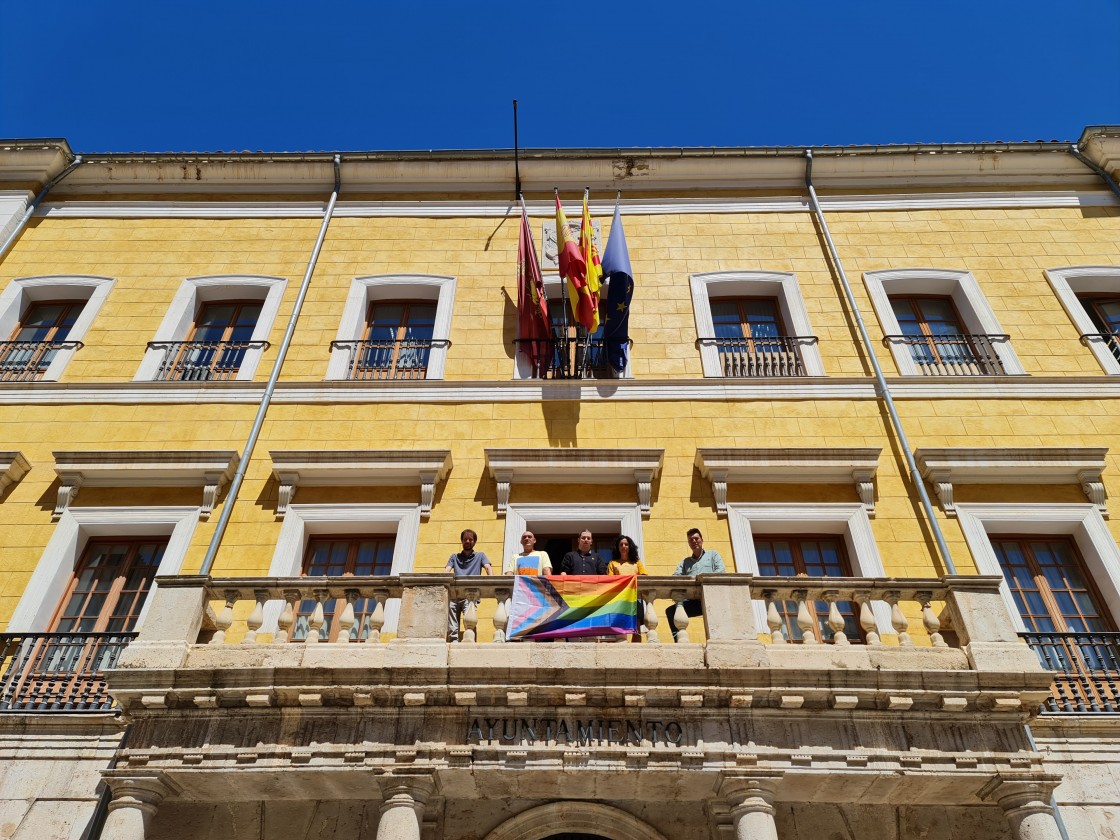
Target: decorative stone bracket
(13,467)
(944,468)
(790,466)
(575,466)
(296,468)
(208,469)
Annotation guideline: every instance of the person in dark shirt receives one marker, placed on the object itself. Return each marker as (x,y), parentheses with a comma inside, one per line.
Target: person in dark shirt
(583,561)
(465,562)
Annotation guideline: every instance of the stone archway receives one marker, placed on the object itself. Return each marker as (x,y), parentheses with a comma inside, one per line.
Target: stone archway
(564,819)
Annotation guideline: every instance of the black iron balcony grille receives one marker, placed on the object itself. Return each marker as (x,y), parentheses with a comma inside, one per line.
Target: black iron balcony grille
(568,358)
(202,361)
(58,672)
(390,359)
(769,356)
(1086,670)
(954,355)
(1109,340)
(27,361)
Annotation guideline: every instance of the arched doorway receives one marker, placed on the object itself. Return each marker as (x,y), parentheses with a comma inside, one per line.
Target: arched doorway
(577,821)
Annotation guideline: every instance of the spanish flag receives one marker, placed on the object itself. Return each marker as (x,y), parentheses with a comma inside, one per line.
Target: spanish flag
(590,255)
(573,268)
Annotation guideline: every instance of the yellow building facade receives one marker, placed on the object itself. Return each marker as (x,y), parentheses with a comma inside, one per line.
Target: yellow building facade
(285,384)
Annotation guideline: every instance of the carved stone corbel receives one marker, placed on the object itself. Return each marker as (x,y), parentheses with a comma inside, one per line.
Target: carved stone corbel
(1093,487)
(943,486)
(212,485)
(645,489)
(427,493)
(719,490)
(67,492)
(503,479)
(865,488)
(286,492)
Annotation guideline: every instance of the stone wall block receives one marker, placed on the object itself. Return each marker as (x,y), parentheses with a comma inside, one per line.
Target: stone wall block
(727,609)
(727,653)
(175,614)
(424,607)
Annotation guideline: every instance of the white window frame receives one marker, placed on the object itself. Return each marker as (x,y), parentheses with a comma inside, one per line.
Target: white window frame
(420,287)
(977,316)
(608,518)
(196,291)
(75,528)
(1068,283)
(850,520)
(23,291)
(304,521)
(780,285)
(1081,521)
(555,288)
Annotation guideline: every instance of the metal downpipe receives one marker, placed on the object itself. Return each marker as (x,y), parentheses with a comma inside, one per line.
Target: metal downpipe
(270,388)
(1076,152)
(74,164)
(880,379)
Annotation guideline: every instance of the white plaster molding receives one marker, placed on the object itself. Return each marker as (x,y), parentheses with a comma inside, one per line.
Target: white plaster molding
(604,517)
(1083,522)
(301,521)
(781,285)
(421,208)
(423,468)
(1068,283)
(13,204)
(195,291)
(575,466)
(849,520)
(24,291)
(13,467)
(977,316)
(949,466)
(364,290)
(790,465)
(76,526)
(208,469)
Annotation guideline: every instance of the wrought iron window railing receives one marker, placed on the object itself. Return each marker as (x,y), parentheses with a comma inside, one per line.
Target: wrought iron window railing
(1110,340)
(569,358)
(768,356)
(405,358)
(1086,670)
(58,672)
(202,361)
(27,361)
(972,354)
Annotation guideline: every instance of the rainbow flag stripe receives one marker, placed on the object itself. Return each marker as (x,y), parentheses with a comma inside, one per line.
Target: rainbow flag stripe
(573,605)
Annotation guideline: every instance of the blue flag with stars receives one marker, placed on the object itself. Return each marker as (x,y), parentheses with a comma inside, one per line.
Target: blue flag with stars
(620,291)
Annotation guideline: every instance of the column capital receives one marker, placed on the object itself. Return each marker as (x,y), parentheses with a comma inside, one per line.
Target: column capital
(750,791)
(405,790)
(132,789)
(1027,793)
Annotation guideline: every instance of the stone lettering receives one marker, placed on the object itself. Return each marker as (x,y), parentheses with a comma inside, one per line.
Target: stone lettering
(585,733)
(670,728)
(475,731)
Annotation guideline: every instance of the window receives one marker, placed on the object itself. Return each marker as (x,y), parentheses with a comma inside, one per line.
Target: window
(45,320)
(1091,298)
(397,342)
(41,333)
(215,328)
(574,353)
(753,324)
(394,327)
(216,345)
(560,523)
(109,586)
(811,556)
(939,300)
(751,340)
(336,556)
(939,346)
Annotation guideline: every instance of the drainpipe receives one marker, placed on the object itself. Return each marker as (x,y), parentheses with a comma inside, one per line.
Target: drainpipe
(880,379)
(74,164)
(1076,152)
(270,388)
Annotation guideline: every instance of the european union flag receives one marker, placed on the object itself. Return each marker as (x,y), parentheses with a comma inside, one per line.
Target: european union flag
(616,314)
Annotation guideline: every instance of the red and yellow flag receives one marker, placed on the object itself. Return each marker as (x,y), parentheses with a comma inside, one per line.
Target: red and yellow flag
(573,268)
(590,255)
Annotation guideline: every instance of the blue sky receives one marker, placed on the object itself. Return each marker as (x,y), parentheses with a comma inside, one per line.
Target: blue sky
(282,76)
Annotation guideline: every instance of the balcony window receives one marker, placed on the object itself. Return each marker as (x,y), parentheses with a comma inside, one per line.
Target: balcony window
(344,555)
(751,339)
(108,589)
(939,346)
(216,347)
(1104,312)
(41,333)
(807,556)
(396,344)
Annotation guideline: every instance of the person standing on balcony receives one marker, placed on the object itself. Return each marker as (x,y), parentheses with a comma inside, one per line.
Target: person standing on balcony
(529,561)
(629,563)
(583,561)
(699,562)
(463,563)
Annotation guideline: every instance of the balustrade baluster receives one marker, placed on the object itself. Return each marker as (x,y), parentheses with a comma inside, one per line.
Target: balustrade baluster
(898,620)
(470,617)
(680,617)
(806,619)
(501,615)
(930,621)
(346,619)
(287,616)
(225,618)
(773,617)
(651,619)
(256,617)
(835,619)
(318,618)
(867,618)
(377,617)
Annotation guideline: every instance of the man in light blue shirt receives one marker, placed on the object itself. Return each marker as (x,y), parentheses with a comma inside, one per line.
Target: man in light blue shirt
(699,562)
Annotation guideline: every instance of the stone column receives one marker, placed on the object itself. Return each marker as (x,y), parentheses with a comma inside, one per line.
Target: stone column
(135,801)
(1026,804)
(751,797)
(402,808)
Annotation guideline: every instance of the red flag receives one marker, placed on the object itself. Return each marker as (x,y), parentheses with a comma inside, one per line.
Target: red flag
(532,304)
(573,268)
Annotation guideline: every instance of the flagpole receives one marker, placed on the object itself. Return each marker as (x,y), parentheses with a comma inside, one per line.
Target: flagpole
(565,303)
(516,157)
(587,340)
